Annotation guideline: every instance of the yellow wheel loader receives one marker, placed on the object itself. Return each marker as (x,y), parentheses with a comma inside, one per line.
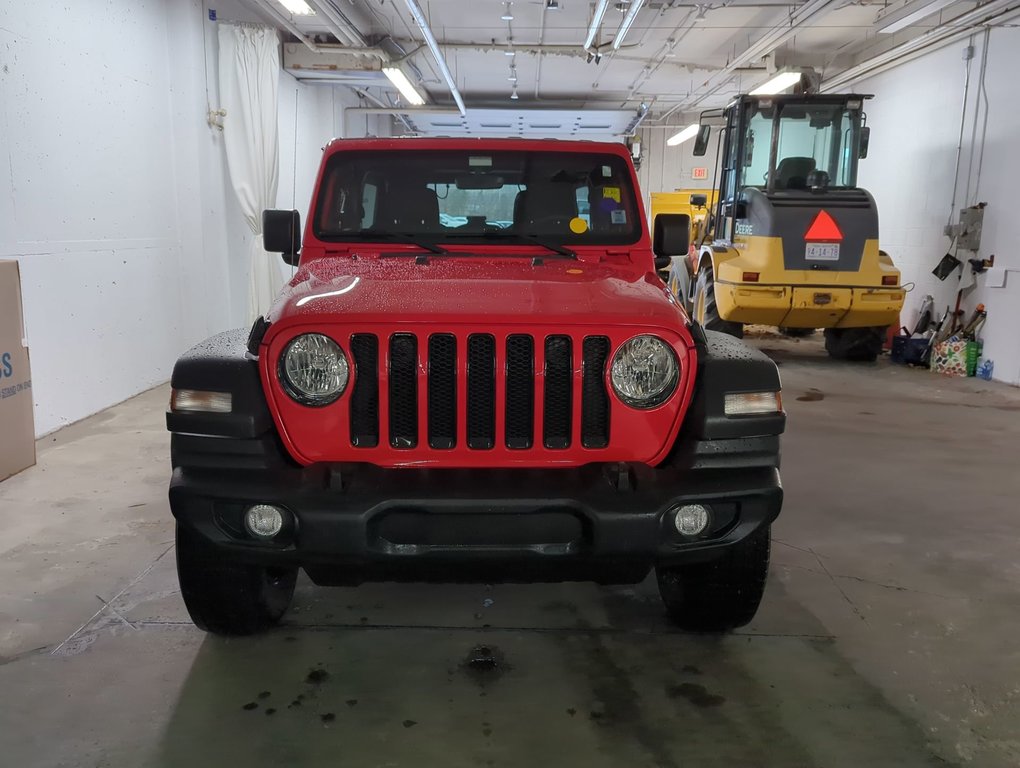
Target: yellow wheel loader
(792,241)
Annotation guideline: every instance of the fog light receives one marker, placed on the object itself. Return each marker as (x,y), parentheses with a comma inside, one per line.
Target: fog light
(691,519)
(263,521)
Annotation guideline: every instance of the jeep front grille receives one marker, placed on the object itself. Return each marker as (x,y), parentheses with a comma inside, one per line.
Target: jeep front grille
(508,393)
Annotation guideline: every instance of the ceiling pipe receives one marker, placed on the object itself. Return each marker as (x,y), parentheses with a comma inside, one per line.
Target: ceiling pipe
(266,9)
(950,32)
(766,44)
(596,23)
(430,41)
(338,23)
(381,105)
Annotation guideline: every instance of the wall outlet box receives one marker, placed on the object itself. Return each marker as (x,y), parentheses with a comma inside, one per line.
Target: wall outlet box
(17,423)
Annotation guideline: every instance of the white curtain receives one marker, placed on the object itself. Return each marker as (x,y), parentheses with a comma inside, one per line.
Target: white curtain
(249,72)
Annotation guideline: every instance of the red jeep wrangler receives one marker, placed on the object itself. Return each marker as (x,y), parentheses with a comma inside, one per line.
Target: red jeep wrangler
(475,374)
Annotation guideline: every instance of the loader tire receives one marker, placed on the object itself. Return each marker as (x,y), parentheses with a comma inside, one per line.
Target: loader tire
(706,312)
(857,344)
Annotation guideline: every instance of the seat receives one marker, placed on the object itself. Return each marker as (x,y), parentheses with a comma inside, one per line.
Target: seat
(413,209)
(554,205)
(792,172)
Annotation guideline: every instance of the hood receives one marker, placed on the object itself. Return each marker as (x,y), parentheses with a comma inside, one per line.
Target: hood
(453,288)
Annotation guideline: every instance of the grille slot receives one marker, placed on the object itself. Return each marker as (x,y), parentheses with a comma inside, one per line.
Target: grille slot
(442,390)
(403,391)
(594,398)
(520,391)
(481,391)
(558,399)
(365,395)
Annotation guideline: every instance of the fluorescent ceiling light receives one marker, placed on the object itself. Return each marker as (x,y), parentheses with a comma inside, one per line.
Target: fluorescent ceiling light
(778,84)
(408,91)
(686,134)
(628,21)
(896,21)
(297,7)
(596,22)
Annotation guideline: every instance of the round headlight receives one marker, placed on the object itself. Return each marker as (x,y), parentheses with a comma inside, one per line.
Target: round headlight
(313,369)
(644,372)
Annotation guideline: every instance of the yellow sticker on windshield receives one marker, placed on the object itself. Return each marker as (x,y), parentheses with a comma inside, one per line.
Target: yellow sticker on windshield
(611,193)
(578,225)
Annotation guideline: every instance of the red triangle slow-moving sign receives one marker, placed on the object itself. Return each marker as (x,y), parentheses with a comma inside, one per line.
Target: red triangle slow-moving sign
(824,229)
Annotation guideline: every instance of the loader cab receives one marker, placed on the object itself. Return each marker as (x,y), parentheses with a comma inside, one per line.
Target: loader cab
(787,147)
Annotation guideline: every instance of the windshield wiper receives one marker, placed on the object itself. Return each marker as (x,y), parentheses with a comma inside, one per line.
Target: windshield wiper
(397,237)
(555,248)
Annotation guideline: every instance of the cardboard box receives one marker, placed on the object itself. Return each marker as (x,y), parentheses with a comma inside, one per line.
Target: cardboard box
(17,422)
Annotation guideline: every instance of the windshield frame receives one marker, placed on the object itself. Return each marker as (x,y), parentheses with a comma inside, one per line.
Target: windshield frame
(623,177)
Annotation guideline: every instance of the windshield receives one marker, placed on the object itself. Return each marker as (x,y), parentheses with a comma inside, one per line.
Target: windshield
(819,138)
(477,196)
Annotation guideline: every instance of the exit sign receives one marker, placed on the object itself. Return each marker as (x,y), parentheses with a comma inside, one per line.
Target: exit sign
(699,173)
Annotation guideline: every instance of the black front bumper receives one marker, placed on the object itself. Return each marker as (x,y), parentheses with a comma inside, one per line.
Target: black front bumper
(350,523)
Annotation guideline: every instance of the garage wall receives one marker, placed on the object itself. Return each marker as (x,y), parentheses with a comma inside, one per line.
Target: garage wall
(915,121)
(114,194)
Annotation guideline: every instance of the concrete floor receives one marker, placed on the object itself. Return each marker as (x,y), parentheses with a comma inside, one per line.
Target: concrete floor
(888,635)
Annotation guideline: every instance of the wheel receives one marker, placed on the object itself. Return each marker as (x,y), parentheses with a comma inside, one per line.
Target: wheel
(719,595)
(858,344)
(228,598)
(797,333)
(705,310)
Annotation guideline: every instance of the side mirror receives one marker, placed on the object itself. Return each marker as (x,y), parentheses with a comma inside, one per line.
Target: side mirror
(698,201)
(701,141)
(672,237)
(281,233)
(865,140)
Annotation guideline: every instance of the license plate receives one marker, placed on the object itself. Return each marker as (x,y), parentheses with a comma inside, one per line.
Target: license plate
(822,251)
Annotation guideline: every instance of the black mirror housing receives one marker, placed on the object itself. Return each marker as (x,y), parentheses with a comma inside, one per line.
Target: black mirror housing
(865,140)
(701,141)
(672,236)
(281,233)
(698,201)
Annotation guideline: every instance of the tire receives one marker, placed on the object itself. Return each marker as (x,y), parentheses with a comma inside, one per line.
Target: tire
(227,598)
(679,282)
(719,595)
(797,333)
(856,344)
(705,310)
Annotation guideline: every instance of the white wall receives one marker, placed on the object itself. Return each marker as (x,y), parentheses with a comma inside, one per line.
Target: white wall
(114,193)
(664,168)
(915,119)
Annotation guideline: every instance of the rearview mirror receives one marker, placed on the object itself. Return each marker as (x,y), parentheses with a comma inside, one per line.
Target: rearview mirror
(865,140)
(480,181)
(672,237)
(698,201)
(701,140)
(281,233)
